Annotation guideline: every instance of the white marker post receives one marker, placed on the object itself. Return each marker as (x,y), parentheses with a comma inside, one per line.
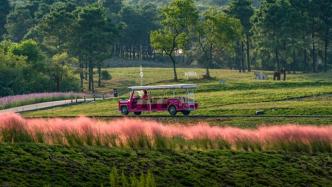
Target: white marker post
(141,75)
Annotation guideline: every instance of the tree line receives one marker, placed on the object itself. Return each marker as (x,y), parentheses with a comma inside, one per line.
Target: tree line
(74,37)
(280,35)
(24,68)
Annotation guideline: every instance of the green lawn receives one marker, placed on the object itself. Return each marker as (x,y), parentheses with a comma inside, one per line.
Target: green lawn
(42,165)
(301,94)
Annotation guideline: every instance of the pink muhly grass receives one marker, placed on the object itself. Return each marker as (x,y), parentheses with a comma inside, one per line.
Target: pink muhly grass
(18,100)
(150,134)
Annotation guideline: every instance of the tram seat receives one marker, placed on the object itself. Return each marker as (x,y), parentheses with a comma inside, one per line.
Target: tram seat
(140,101)
(143,101)
(182,99)
(160,101)
(153,100)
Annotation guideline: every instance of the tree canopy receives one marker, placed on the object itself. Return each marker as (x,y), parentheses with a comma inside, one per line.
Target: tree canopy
(179,19)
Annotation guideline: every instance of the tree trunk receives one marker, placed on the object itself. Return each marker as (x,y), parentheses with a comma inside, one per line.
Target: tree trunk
(237,57)
(242,57)
(293,66)
(57,80)
(210,60)
(285,74)
(81,73)
(152,53)
(248,53)
(86,70)
(313,54)
(114,50)
(91,81)
(131,53)
(141,52)
(174,67)
(207,74)
(118,50)
(277,59)
(305,60)
(99,75)
(313,50)
(326,45)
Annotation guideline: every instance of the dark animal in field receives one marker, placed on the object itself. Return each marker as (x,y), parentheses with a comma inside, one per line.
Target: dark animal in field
(277,75)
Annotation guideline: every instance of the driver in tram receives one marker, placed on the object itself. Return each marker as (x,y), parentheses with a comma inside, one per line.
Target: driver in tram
(145,95)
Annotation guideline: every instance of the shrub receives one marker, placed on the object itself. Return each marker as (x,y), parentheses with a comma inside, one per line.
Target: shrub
(114,178)
(145,180)
(105,75)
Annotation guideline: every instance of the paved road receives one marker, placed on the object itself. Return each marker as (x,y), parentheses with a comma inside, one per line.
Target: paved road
(39,106)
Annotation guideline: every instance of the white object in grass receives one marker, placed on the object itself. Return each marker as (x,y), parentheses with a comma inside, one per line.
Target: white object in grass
(189,75)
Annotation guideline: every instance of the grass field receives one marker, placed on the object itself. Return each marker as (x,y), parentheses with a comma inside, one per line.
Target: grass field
(301,94)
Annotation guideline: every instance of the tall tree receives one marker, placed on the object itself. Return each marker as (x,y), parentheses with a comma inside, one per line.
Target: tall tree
(24,16)
(243,10)
(138,22)
(217,33)
(94,33)
(112,6)
(57,24)
(301,30)
(313,11)
(325,15)
(60,67)
(11,70)
(19,21)
(272,29)
(4,11)
(178,21)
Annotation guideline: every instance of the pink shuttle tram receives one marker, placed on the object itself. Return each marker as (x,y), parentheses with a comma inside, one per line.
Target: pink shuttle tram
(143,99)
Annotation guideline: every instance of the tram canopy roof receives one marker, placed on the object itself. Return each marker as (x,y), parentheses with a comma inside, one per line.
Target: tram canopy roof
(164,87)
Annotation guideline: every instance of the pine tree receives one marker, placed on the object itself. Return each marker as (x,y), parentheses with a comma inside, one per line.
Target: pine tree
(4,10)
